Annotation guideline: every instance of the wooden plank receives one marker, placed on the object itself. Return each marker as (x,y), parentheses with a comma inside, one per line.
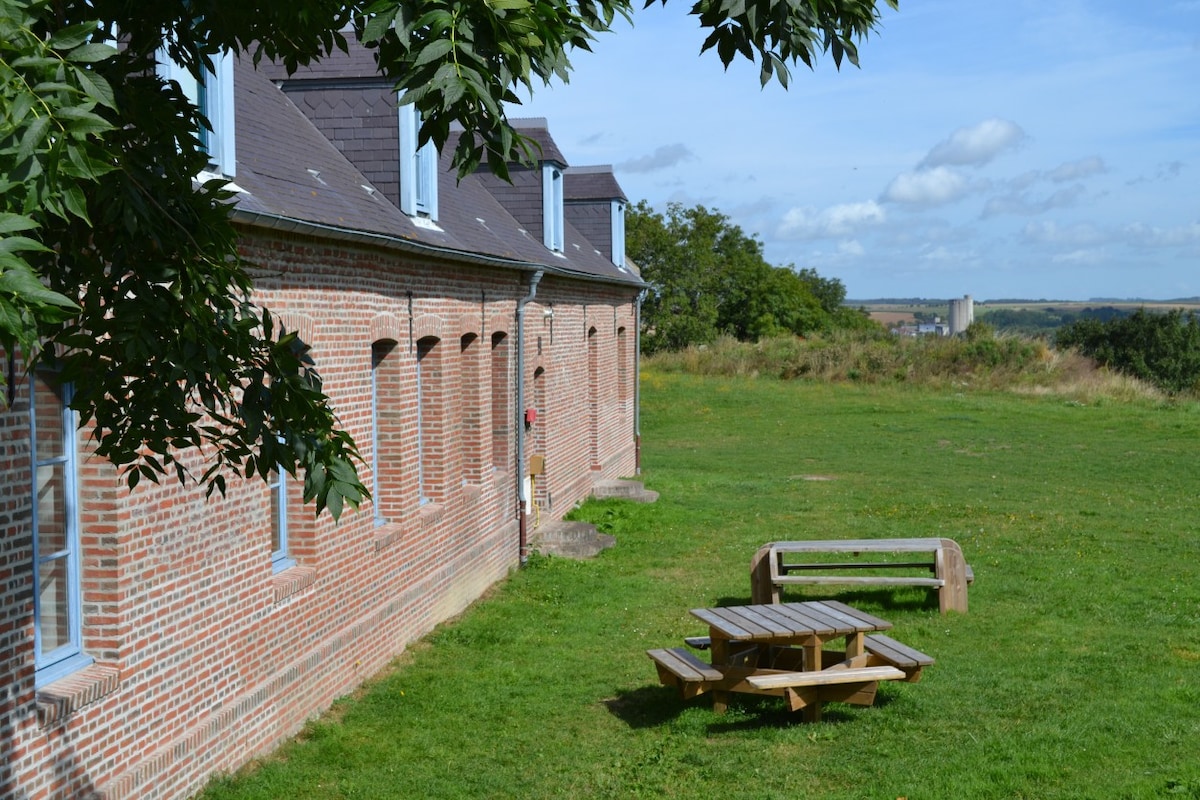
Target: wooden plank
(826,677)
(929,565)
(865,580)
(684,665)
(818,625)
(734,618)
(721,623)
(843,618)
(897,652)
(877,623)
(919,545)
(763,617)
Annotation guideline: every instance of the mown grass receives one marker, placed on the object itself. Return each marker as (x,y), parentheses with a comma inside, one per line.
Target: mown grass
(1076,673)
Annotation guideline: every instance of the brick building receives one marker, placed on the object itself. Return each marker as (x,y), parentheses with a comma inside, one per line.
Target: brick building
(462,329)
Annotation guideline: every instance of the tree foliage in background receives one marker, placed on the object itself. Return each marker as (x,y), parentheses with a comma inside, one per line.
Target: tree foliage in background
(1162,349)
(116,269)
(708,278)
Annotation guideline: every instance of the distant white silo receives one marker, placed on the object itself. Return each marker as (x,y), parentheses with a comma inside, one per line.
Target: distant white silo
(962,314)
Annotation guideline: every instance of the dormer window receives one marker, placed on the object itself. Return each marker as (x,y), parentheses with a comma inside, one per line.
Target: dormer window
(212,94)
(552,208)
(618,233)
(418,168)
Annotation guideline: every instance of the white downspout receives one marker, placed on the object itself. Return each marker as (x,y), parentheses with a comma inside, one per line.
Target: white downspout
(522,486)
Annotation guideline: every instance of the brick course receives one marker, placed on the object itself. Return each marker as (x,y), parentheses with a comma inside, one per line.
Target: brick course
(203,657)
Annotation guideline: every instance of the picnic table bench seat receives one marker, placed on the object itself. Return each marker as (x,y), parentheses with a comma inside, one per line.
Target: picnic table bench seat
(897,654)
(777,564)
(679,667)
(825,677)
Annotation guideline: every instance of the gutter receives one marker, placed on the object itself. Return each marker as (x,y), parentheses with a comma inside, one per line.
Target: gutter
(276,222)
(522,487)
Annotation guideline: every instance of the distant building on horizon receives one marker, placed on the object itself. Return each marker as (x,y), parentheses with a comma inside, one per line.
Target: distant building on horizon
(962,314)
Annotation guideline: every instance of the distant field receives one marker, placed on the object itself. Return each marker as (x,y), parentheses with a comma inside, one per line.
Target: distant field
(900,313)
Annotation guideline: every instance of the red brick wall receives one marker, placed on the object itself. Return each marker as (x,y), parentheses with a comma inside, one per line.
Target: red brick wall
(204,657)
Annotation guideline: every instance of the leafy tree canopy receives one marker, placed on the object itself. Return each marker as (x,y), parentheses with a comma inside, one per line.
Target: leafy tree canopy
(707,278)
(1162,349)
(117,270)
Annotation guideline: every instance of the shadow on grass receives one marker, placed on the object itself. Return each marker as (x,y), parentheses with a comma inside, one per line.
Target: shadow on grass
(654,706)
(649,706)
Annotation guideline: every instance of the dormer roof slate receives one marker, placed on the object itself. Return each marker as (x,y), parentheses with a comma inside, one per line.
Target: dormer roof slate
(292,175)
(591,184)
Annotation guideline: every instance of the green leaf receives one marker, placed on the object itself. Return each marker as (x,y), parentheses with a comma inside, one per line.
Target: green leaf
(19,244)
(10,223)
(433,51)
(34,134)
(96,88)
(91,53)
(73,35)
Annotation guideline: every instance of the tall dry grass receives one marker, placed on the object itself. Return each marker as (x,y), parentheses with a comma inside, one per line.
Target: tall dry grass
(998,363)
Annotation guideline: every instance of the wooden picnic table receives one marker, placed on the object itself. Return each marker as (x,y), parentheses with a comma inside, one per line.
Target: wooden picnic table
(779,649)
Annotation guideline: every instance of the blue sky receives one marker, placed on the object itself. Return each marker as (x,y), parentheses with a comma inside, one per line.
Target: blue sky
(999,149)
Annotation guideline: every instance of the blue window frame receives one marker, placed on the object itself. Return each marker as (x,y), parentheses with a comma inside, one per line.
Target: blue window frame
(379,352)
(618,233)
(553,228)
(418,168)
(212,94)
(58,625)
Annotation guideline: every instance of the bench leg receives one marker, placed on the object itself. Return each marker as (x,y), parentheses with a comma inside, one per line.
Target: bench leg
(761,590)
(951,567)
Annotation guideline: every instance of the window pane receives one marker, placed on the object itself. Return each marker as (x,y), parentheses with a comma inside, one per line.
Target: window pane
(278,542)
(51,509)
(53,608)
(48,413)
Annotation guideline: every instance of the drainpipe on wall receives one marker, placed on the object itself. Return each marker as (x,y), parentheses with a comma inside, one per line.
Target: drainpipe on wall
(522,487)
(637,383)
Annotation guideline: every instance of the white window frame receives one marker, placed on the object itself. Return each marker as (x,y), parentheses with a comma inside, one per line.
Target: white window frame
(553,230)
(418,168)
(618,233)
(378,355)
(69,657)
(213,95)
(280,555)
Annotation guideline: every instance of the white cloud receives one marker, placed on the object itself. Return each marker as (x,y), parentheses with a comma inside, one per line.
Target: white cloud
(1020,205)
(1051,233)
(1082,257)
(974,146)
(927,187)
(664,157)
(836,221)
(851,248)
(1149,236)
(1077,170)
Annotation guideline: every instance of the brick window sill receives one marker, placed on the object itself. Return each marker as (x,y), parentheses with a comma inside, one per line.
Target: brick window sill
(431,514)
(387,535)
(67,695)
(290,581)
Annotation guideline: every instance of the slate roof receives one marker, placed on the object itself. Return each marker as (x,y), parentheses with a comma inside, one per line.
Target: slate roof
(292,176)
(592,183)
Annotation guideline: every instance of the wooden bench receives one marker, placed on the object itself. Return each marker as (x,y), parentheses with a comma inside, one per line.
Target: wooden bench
(897,654)
(771,569)
(678,667)
(825,677)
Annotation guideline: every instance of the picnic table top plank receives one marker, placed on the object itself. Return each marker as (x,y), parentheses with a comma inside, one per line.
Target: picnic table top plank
(863,617)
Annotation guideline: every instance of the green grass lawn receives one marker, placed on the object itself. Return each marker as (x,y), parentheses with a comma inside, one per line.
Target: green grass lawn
(1076,673)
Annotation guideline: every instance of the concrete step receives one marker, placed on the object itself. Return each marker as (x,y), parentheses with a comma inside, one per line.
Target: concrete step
(623,490)
(577,540)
